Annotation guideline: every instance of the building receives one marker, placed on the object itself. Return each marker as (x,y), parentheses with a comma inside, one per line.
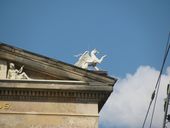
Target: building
(47,93)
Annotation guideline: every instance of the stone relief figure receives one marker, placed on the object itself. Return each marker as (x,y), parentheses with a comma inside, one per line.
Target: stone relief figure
(15,73)
(89,59)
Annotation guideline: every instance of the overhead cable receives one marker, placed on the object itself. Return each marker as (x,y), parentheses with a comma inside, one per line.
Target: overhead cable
(156,89)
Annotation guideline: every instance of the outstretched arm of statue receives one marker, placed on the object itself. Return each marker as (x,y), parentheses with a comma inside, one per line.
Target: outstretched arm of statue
(21,69)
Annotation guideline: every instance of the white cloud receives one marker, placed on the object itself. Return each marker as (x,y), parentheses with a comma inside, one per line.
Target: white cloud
(127,105)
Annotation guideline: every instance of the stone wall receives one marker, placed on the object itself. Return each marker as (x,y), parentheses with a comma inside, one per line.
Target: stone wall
(48,115)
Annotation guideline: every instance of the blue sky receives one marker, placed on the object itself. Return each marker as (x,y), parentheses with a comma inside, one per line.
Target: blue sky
(130,32)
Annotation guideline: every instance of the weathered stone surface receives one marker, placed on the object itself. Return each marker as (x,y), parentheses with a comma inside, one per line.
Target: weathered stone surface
(50,104)
(3,69)
(47,121)
(48,108)
(16,114)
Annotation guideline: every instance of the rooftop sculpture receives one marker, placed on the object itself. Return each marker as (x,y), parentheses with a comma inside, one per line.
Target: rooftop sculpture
(88,59)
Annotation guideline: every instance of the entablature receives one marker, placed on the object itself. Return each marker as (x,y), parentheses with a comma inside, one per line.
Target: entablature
(53,91)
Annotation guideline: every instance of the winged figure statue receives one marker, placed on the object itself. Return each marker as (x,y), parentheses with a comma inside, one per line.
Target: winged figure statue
(89,59)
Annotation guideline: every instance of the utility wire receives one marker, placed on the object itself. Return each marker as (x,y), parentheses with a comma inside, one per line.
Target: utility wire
(159,78)
(156,90)
(152,97)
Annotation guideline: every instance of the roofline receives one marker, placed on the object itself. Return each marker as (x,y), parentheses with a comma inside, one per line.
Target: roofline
(77,69)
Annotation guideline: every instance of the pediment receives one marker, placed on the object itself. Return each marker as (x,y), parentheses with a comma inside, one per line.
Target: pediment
(38,67)
(28,72)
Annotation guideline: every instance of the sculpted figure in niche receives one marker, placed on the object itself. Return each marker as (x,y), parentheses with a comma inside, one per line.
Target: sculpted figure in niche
(88,59)
(15,73)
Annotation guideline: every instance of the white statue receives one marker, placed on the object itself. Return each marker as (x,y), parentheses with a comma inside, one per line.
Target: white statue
(89,59)
(15,73)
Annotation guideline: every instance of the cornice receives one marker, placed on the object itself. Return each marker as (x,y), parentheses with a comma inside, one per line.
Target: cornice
(57,91)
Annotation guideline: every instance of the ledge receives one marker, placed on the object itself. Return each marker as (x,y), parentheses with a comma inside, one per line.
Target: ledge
(43,81)
(54,91)
(50,114)
(54,84)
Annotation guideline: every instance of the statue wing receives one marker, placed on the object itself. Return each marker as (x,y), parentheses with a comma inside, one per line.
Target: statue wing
(83,59)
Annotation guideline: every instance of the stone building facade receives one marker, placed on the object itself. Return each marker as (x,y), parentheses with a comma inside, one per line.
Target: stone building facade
(40,92)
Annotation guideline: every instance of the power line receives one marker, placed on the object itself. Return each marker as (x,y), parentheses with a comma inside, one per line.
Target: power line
(159,78)
(152,97)
(156,90)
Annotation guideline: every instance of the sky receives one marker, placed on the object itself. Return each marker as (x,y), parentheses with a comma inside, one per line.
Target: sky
(132,33)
